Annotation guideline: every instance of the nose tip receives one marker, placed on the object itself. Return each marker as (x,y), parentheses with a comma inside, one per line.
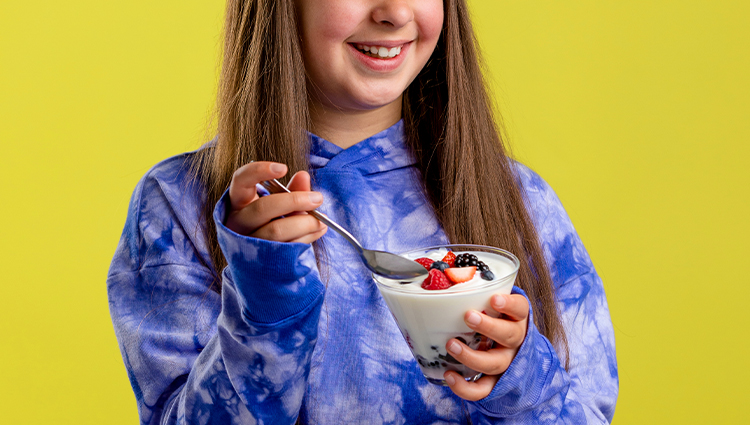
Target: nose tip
(393,13)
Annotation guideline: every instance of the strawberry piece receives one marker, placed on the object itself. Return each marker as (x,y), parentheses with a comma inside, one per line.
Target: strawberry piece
(460,274)
(436,281)
(425,262)
(450,258)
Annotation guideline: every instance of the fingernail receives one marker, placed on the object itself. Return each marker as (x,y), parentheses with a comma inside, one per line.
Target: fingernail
(450,379)
(455,348)
(474,318)
(499,301)
(315,197)
(278,168)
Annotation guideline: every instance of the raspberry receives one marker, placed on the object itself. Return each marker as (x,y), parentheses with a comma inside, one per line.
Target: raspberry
(436,281)
(450,258)
(425,262)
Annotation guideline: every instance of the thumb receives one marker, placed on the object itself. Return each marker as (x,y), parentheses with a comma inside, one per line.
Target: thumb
(300,182)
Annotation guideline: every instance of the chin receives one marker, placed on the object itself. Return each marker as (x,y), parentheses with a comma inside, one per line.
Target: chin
(371,101)
(377,105)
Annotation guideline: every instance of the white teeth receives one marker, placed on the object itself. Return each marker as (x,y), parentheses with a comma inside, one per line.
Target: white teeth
(382,52)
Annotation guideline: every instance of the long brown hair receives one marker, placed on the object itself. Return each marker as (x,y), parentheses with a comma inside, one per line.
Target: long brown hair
(449,122)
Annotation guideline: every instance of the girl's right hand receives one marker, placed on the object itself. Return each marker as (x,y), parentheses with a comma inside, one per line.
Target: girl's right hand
(251,215)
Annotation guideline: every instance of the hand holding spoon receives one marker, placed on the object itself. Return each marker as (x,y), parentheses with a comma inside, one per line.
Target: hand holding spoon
(381,263)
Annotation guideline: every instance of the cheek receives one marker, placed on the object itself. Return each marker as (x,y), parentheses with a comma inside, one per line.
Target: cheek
(431,20)
(331,22)
(324,31)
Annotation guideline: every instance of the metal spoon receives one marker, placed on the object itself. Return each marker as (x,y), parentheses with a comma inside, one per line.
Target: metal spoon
(382,263)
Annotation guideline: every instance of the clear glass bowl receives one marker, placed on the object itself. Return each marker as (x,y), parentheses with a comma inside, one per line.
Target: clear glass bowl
(428,319)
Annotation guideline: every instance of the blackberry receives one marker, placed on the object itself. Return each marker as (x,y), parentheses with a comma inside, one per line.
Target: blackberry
(482,267)
(466,260)
(440,265)
(448,358)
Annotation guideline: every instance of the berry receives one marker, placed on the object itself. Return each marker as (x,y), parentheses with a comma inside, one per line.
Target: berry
(484,343)
(481,266)
(450,258)
(440,265)
(408,340)
(488,275)
(460,274)
(466,260)
(436,281)
(425,262)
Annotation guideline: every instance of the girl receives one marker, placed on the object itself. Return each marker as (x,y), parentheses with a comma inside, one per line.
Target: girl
(226,313)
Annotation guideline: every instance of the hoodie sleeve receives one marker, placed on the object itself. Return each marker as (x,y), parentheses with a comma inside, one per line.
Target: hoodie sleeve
(537,388)
(192,355)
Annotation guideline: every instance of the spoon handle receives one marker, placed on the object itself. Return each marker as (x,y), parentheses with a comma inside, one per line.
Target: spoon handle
(274,186)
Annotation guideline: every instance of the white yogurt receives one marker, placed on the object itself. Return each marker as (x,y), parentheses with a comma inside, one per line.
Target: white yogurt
(499,265)
(428,319)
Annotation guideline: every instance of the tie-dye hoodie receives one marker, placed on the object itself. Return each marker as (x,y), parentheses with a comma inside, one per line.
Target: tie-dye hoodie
(285,341)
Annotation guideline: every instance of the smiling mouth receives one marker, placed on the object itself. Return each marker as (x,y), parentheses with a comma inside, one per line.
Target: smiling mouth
(379,52)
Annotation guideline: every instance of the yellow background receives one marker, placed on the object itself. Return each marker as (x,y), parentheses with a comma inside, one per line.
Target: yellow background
(636,112)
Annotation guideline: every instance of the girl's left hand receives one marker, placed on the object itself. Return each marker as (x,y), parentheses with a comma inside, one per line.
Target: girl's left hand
(508,331)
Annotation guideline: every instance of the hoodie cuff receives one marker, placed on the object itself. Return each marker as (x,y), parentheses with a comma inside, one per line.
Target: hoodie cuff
(274,280)
(520,388)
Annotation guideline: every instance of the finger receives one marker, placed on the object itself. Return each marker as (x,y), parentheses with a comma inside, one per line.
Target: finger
(267,208)
(242,188)
(504,331)
(514,307)
(313,236)
(300,182)
(491,362)
(290,229)
(471,391)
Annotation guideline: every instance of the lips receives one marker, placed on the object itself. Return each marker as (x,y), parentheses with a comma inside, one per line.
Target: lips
(376,51)
(377,62)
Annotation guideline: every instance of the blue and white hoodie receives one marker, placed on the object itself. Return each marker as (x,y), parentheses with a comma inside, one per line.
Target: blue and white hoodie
(282,343)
